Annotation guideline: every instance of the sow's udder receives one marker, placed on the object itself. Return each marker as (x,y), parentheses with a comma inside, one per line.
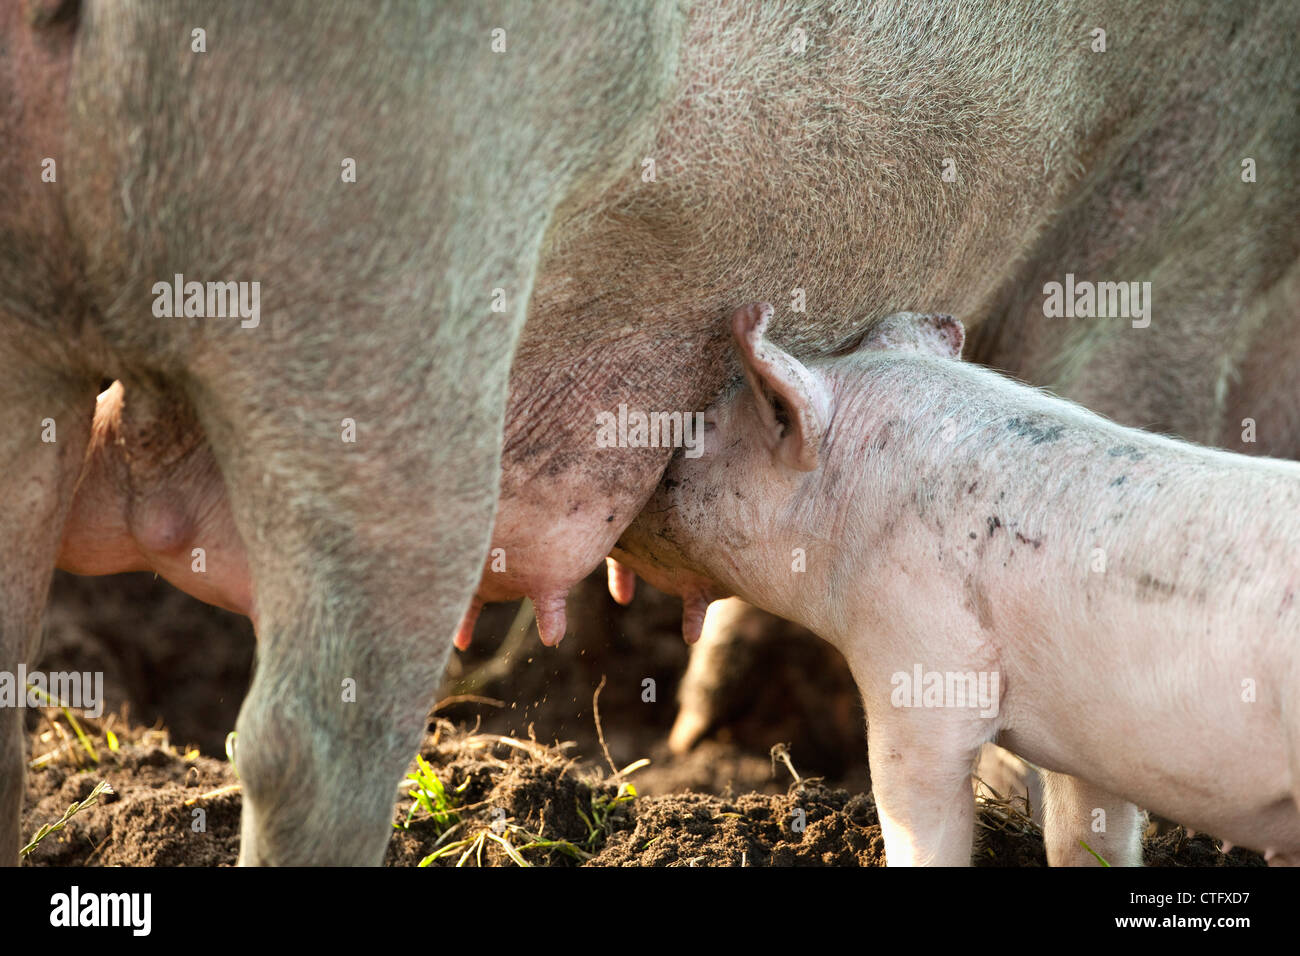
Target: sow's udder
(151,491)
(573,477)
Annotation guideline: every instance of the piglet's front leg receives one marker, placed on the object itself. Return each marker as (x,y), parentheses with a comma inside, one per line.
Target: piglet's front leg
(921,764)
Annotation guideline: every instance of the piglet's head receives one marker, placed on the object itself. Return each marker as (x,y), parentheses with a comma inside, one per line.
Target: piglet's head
(723,522)
(760,441)
(794,403)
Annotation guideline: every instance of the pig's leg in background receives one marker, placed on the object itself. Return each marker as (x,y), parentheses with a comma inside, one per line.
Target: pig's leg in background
(36,485)
(921,762)
(1010,778)
(1070,813)
(704,689)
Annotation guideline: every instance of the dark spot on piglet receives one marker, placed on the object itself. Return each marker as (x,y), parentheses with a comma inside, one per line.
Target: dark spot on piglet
(1118,481)
(1122,451)
(1037,434)
(610,518)
(1153,589)
(974,535)
(1036,542)
(994,524)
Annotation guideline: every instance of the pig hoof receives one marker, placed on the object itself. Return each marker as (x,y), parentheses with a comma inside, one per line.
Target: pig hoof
(688,730)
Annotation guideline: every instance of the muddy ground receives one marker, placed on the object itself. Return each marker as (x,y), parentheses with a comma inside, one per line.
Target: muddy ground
(521,774)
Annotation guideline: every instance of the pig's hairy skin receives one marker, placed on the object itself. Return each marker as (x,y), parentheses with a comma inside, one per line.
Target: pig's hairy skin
(375,301)
(839,196)
(182,163)
(906,565)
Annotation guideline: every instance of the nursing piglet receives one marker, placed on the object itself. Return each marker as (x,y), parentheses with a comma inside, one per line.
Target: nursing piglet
(997,564)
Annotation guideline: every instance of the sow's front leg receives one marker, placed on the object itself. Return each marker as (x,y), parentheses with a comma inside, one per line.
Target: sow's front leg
(46,393)
(921,763)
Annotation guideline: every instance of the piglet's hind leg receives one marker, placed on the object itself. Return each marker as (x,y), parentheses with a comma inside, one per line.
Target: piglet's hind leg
(1075,812)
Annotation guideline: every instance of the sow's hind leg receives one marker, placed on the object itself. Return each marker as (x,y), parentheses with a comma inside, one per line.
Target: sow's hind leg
(363,556)
(43,435)
(371,308)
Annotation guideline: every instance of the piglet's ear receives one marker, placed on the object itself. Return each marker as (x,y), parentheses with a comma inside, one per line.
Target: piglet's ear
(792,403)
(937,334)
